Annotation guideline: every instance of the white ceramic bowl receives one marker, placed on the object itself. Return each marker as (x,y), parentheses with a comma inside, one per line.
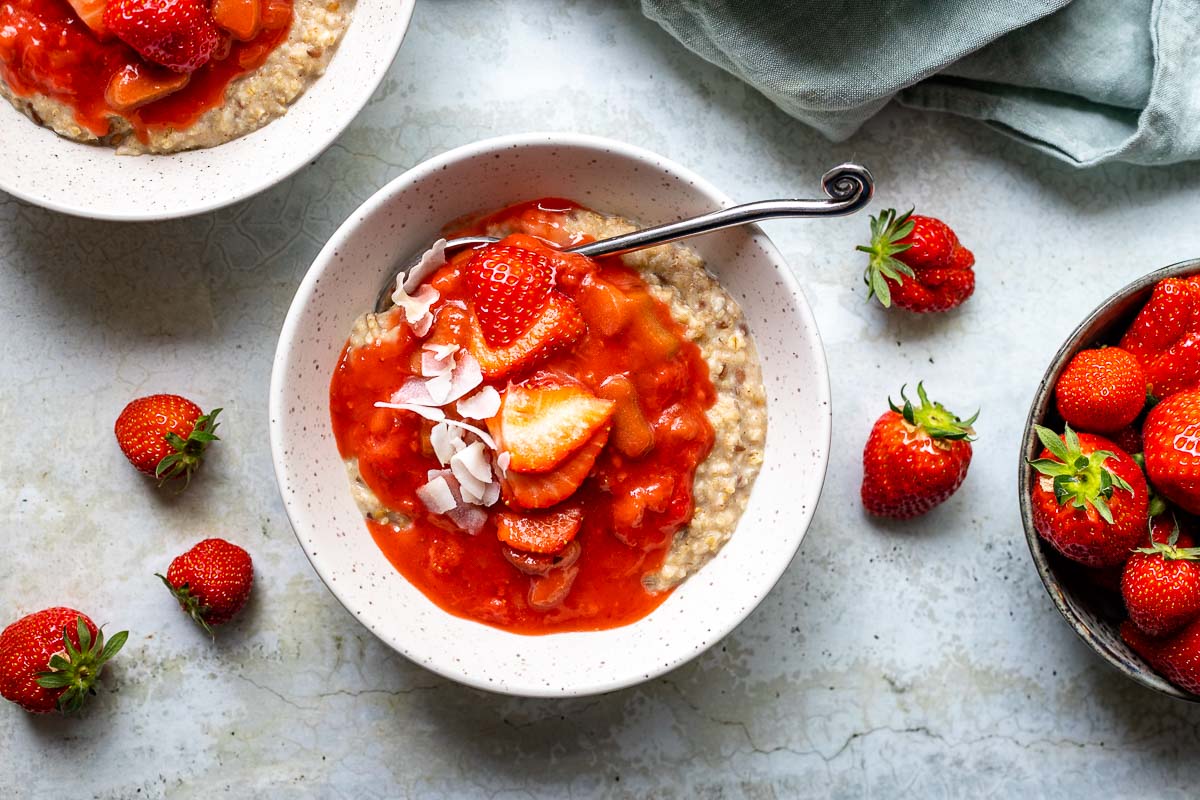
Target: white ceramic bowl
(89,181)
(343,281)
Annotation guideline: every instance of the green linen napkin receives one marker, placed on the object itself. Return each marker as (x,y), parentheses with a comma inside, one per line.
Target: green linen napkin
(1087,81)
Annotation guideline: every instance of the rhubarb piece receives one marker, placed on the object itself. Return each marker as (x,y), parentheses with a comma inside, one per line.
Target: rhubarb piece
(632,434)
(605,308)
(139,84)
(92,14)
(242,18)
(550,591)
(540,563)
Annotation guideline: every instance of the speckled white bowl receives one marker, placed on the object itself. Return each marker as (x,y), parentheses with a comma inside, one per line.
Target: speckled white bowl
(342,283)
(89,181)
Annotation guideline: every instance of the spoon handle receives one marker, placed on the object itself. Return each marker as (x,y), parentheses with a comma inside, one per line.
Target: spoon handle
(849,187)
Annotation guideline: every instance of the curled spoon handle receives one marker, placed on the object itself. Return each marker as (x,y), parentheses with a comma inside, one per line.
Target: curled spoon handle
(848,187)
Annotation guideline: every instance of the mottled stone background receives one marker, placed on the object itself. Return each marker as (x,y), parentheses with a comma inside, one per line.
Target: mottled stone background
(921,659)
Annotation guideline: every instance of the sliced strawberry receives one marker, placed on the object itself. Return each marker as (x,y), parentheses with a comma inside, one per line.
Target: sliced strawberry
(92,14)
(549,592)
(558,325)
(137,85)
(540,426)
(242,18)
(539,533)
(509,288)
(524,491)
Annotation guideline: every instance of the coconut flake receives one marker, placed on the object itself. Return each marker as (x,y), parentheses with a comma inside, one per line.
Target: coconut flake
(482,434)
(503,460)
(484,404)
(492,495)
(413,391)
(436,496)
(431,260)
(416,306)
(428,412)
(439,389)
(476,462)
(446,441)
(442,351)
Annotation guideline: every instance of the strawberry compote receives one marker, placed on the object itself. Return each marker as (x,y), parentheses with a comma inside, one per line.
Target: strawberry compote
(46,50)
(614,401)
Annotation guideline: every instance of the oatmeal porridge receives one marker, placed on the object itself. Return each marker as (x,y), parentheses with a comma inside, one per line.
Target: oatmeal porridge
(568,470)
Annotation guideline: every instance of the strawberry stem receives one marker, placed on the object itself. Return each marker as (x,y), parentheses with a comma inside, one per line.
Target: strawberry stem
(887,230)
(933,417)
(188,453)
(78,670)
(1079,480)
(190,603)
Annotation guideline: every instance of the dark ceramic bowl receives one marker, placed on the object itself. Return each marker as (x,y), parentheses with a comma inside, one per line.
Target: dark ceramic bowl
(1092,611)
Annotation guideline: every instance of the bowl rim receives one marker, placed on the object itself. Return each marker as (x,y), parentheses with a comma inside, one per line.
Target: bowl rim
(312,149)
(1037,413)
(680,655)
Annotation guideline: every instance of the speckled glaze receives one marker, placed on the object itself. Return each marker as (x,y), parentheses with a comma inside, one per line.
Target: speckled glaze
(92,181)
(404,217)
(1092,613)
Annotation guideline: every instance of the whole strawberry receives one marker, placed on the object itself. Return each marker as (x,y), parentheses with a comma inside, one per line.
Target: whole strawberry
(1161,583)
(52,658)
(1101,390)
(1165,336)
(917,263)
(915,458)
(178,34)
(1176,656)
(211,581)
(165,435)
(1090,499)
(1171,444)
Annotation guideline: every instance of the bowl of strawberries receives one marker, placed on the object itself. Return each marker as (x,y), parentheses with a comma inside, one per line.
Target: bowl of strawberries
(1110,480)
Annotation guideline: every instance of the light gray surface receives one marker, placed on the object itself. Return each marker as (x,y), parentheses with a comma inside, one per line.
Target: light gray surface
(921,658)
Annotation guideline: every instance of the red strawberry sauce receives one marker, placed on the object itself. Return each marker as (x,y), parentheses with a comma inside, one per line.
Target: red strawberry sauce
(46,49)
(467,575)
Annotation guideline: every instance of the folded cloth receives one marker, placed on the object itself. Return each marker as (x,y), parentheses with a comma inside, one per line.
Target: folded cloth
(1087,81)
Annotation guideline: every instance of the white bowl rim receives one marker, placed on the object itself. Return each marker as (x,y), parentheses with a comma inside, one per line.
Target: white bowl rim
(277,410)
(311,150)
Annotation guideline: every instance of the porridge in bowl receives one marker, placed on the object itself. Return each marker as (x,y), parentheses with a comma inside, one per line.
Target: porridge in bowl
(161,76)
(544,442)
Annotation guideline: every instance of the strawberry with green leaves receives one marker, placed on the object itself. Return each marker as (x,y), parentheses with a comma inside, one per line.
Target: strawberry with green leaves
(165,435)
(51,659)
(917,263)
(1161,583)
(211,582)
(915,458)
(1090,499)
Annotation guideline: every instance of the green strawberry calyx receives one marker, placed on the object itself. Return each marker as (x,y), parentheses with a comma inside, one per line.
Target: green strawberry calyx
(76,669)
(188,453)
(191,603)
(887,231)
(1168,550)
(933,418)
(1080,480)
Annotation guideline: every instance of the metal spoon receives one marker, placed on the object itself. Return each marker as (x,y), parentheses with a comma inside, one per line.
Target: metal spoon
(849,188)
